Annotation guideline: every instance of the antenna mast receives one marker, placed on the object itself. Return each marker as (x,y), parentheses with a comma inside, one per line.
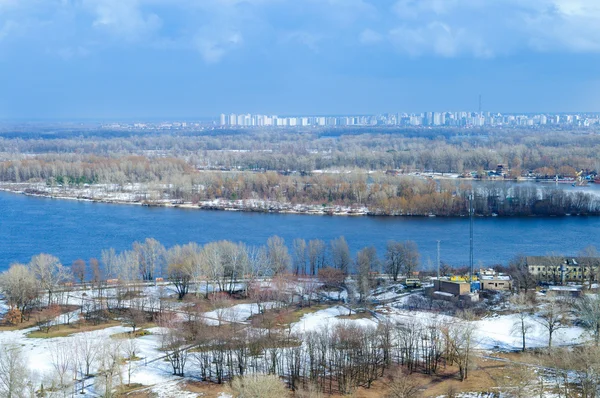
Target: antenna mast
(471,215)
(438,259)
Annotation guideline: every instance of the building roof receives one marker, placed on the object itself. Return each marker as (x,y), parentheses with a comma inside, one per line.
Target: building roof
(495,277)
(560,260)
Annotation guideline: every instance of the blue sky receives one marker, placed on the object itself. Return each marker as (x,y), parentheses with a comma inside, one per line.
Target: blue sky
(111,59)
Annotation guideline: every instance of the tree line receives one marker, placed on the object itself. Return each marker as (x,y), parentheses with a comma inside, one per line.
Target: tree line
(442,150)
(382,194)
(216,266)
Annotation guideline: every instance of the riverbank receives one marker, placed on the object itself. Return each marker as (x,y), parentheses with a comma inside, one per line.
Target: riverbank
(133,196)
(142,195)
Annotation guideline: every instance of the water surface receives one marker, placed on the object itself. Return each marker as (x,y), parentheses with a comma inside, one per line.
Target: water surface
(72,229)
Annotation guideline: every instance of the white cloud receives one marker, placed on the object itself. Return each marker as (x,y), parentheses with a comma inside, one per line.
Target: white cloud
(369,36)
(71,52)
(6,28)
(213,48)
(439,39)
(304,38)
(124,19)
(483,28)
(215,28)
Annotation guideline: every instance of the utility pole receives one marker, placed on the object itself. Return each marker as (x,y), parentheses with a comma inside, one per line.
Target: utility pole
(438,259)
(471,215)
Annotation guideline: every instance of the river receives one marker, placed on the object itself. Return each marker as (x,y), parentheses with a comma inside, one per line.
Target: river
(72,229)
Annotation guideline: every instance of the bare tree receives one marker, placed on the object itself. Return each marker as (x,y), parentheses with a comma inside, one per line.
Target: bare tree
(62,357)
(402,385)
(366,261)
(460,343)
(211,266)
(88,348)
(589,259)
(581,365)
(20,289)
(49,272)
(134,317)
(278,256)
(151,255)
(130,348)
(402,257)
(588,309)
(554,267)
(176,350)
(340,255)
(259,386)
(393,257)
(552,317)
(127,267)
(521,303)
(97,274)
(519,271)
(410,257)
(182,263)
(14,375)
(109,259)
(316,255)
(300,256)
(332,277)
(109,368)
(518,381)
(78,270)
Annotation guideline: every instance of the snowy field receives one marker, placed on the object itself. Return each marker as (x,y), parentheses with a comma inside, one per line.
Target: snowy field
(492,333)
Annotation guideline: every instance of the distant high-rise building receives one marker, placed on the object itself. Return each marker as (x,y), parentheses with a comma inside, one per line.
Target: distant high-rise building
(222,120)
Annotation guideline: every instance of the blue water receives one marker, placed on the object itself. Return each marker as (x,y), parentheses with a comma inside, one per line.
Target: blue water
(71,230)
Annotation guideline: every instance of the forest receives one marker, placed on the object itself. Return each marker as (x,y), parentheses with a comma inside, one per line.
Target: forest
(390,172)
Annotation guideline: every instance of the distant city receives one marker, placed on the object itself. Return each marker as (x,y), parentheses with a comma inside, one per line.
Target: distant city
(424,120)
(450,119)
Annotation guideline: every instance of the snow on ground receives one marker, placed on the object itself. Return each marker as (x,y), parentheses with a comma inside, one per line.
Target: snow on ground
(496,332)
(388,296)
(405,316)
(38,352)
(327,317)
(335,295)
(236,313)
(172,389)
(492,333)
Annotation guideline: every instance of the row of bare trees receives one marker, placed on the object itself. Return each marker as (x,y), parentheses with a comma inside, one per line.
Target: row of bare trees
(217,266)
(338,358)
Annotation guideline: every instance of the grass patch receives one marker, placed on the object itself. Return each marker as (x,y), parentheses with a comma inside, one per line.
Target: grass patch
(34,317)
(356,315)
(138,333)
(283,317)
(68,330)
(126,389)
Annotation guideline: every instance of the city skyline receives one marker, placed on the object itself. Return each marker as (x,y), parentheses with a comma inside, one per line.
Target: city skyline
(437,119)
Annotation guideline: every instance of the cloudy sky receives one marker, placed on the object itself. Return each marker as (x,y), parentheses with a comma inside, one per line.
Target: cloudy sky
(111,59)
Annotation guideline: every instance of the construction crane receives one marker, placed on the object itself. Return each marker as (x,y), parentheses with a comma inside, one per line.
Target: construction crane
(579,179)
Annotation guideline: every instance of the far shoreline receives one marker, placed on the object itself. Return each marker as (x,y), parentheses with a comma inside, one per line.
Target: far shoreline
(268,207)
